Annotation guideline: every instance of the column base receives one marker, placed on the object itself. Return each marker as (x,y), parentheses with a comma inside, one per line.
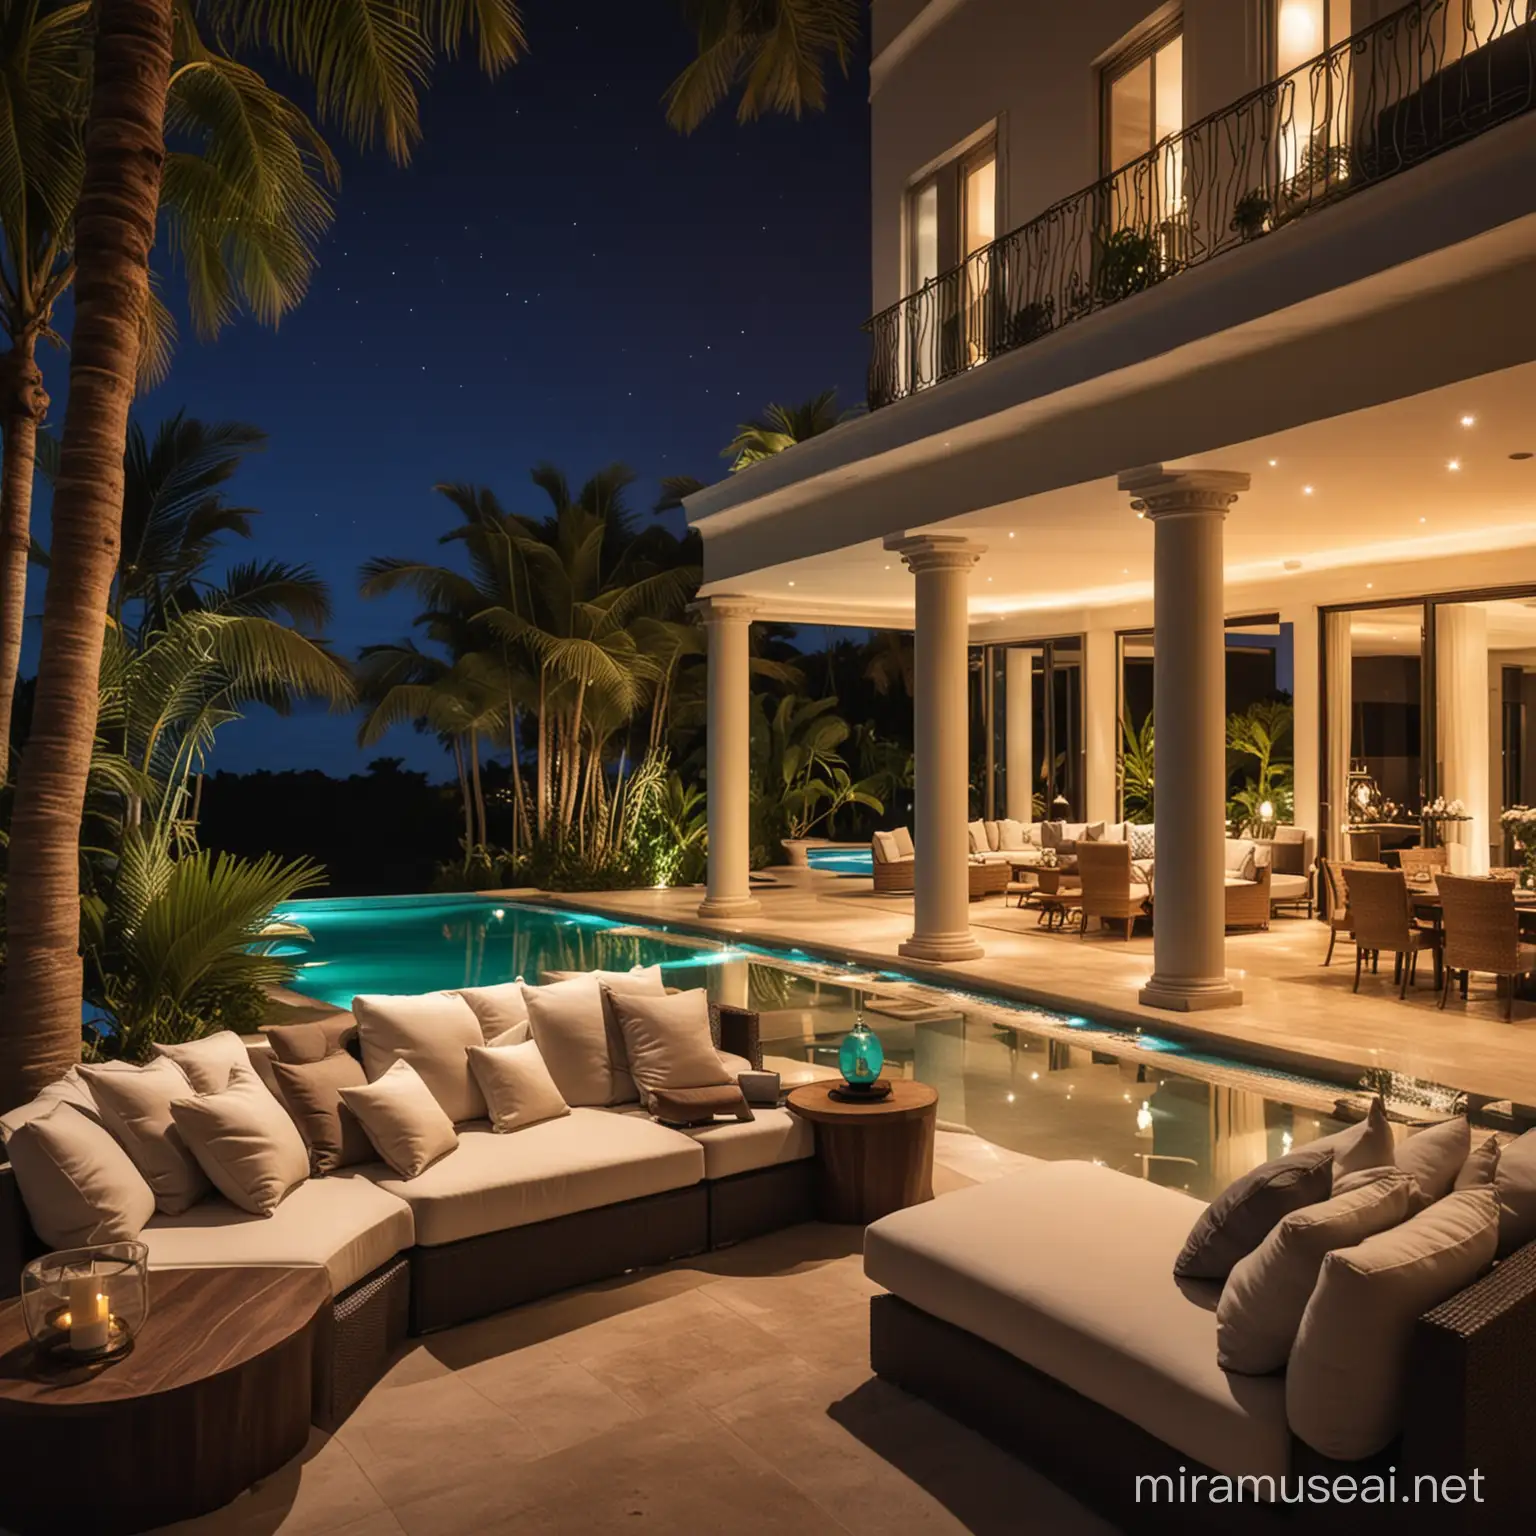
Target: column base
(1189,994)
(729,906)
(943,947)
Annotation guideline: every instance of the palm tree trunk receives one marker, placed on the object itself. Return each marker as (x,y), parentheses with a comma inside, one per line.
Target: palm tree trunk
(469,824)
(114,231)
(26,404)
(543,763)
(519,810)
(573,776)
(483,840)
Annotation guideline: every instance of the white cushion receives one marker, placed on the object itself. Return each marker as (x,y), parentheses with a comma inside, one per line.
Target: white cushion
(994,835)
(432,1032)
(770,1137)
(207,1062)
(517,1086)
(585,1159)
(135,1105)
(1241,858)
(667,1041)
(1010,836)
(1289,887)
(69,1089)
(501,1010)
(977,832)
(883,848)
(582,1047)
(905,847)
(405,1123)
(347,1225)
(77,1183)
(244,1140)
(1069,1268)
(1344,1384)
(1115,832)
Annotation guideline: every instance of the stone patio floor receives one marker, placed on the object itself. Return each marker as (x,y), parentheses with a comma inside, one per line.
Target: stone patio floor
(1294,1011)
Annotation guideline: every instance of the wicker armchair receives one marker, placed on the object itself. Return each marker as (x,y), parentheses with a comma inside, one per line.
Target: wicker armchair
(891,875)
(1423,861)
(1383,920)
(1482,933)
(1247,901)
(1109,892)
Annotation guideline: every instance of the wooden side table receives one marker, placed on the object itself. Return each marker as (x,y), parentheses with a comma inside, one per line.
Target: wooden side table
(872,1158)
(215,1395)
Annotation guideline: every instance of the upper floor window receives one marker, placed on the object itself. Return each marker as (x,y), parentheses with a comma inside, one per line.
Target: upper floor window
(1303,30)
(952,214)
(1143,97)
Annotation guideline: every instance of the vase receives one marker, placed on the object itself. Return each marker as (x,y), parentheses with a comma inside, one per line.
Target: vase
(861,1057)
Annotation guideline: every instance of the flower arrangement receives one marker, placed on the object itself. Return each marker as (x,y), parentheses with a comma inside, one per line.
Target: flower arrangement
(1441,809)
(1520,822)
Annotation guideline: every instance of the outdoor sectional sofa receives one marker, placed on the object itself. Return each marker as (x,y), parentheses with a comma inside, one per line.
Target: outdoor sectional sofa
(1042,1310)
(500,1220)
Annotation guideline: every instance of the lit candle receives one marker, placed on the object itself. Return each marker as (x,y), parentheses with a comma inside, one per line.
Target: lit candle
(89,1318)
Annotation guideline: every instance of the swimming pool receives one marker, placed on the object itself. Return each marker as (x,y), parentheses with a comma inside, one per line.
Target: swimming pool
(1027,1079)
(841,861)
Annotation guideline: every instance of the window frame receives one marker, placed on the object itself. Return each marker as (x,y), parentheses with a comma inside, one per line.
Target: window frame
(1119,65)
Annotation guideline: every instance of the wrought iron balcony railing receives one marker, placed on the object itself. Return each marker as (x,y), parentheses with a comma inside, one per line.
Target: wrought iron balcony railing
(1427,77)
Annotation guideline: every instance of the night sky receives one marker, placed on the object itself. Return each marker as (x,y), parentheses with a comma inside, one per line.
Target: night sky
(558,275)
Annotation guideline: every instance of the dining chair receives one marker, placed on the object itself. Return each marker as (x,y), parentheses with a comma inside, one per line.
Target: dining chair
(1365,847)
(1338,904)
(1421,861)
(1482,933)
(1110,891)
(1383,920)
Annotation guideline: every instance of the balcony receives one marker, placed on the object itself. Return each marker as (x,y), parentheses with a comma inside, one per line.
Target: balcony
(1424,79)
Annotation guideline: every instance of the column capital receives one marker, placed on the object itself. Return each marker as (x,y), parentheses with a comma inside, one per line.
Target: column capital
(719,607)
(1163,492)
(935,551)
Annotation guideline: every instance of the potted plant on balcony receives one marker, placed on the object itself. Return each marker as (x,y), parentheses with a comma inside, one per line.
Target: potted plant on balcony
(1128,261)
(1250,216)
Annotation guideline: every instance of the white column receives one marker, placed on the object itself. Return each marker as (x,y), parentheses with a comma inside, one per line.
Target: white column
(1339,658)
(1187,509)
(1461,707)
(1101,725)
(942,923)
(1305,705)
(1019,727)
(728,782)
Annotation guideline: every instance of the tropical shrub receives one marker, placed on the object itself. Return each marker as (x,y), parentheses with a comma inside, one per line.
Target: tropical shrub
(1134,769)
(1259,747)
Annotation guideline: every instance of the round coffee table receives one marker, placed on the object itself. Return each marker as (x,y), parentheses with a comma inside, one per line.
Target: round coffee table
(215,1395)
(873,1158)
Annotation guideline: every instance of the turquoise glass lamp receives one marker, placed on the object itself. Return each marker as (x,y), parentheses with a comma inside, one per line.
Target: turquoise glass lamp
(861,1058)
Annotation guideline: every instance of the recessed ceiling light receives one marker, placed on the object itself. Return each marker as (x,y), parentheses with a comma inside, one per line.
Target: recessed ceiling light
(1454,464)
(1369,585)
(791,583)
(1306,490)
(1469,421)
(1423,519)
(1140,515)
(989,578)
(1273,462)
(1010,533)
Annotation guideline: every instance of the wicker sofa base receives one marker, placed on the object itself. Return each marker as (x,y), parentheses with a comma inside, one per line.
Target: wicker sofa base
(764,1200)
(457,1282)
(367,1323)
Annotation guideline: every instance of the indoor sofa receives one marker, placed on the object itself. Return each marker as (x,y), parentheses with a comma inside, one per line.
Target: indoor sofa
(1043,1310)
(498,1221)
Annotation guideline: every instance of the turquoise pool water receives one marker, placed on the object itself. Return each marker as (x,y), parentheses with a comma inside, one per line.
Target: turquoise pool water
(842,861)
(1029,1080)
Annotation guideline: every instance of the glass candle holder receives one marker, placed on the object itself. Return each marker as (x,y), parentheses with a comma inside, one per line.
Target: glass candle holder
(861,1057)
(87,1304)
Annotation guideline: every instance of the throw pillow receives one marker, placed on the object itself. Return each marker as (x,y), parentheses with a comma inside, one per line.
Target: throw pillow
(1366,1144)
(69,1089)
(245,1142)
(668,1041)
(699,1106)
(883,846)
(501,1010)
(208,1062)
(1242,858)
(1266,1294)
(78,1185)
(1052,834)
(136,1107)
(1093,832)
(312,1092)
(580,1040)
(1143,842)
(312,1042)
(994,835)
(1481,1167)
(1010,836)
(432,1033)
(977,832)
(905,847)
(1435,1156)
(403,1119)
(517,1086)
(1344,1384)
(1249,1208)
(1515,1185)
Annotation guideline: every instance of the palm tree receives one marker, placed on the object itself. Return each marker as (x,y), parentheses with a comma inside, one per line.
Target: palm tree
(244,196)
(781,427)
(774,51)
(890,662)
(371,90)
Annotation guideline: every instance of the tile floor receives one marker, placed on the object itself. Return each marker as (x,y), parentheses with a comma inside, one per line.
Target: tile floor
(726,1394)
